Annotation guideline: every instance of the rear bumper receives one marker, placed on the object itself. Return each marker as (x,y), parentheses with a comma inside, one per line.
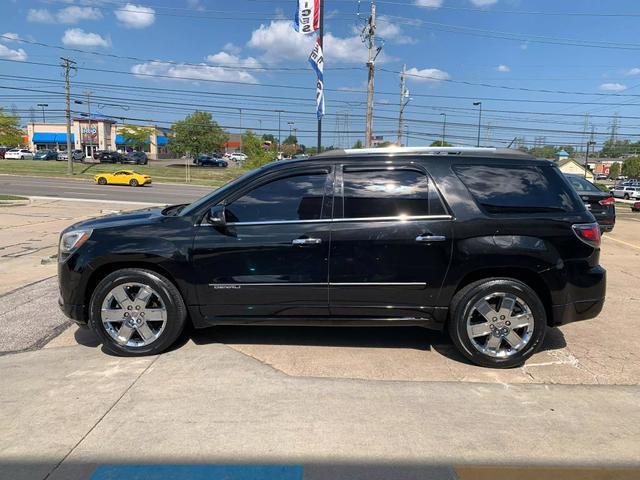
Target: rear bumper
(586,295)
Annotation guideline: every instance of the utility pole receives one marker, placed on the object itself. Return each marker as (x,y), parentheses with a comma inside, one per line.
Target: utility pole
(320,42)
(370,30)
(88,93)
(68,64)
(586,158)
(43,105)
(404,93)
(444,128)
(279,129)
(240,129)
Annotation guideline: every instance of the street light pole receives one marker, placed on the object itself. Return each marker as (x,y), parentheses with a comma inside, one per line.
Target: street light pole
(444,128)
(279,112)
(44,120)
(290,127)
(479,119)
(586,158)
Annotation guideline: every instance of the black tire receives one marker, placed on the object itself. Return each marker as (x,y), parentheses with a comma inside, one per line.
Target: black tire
(626,196)
(21,157)
(102,181)
(463,302)
(176,311)
(133,182)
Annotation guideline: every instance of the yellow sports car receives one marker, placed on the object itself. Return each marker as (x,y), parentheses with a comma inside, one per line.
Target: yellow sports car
(122,177)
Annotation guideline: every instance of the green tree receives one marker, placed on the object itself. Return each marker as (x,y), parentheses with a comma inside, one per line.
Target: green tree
(252,146)
(197,133)
(134,136)
(358,144)
(631,167)
(440,143)
(10,132)
(614,170)
(267,137)
(290,140)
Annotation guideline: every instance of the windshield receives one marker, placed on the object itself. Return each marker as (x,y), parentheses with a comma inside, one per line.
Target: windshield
(582,185)
(198,203)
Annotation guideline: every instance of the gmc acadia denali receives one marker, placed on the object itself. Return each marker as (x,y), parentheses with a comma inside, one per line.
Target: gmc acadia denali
(492,245)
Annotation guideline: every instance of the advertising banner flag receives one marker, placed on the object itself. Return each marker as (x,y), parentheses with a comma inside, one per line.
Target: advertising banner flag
(307,16)
(316,59)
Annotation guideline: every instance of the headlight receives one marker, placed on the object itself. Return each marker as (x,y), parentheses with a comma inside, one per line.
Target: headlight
(71,241)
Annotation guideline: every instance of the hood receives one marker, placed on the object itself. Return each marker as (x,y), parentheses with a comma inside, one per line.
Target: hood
(137,217)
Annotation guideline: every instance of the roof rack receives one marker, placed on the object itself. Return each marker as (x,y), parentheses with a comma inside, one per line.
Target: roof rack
(461,151)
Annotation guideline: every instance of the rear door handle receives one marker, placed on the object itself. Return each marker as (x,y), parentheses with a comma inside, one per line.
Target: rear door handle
(306,241)
(430,238)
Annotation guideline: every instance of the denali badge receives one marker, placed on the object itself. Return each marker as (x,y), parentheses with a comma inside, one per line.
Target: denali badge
(218,286)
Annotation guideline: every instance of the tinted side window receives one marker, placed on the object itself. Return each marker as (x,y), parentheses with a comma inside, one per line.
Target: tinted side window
(517,189)
(298,197)
(388,193)
(582,185)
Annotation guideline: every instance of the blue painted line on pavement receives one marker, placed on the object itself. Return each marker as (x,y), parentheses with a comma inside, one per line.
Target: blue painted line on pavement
(198,472)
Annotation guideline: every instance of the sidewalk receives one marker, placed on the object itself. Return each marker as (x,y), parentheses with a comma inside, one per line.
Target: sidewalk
(211,404)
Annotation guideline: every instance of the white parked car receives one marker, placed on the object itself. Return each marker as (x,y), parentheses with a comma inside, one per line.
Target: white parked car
(18,154)
(626,192)
(238,156)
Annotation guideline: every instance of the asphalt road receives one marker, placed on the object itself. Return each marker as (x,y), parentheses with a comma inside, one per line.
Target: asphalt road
(86,189)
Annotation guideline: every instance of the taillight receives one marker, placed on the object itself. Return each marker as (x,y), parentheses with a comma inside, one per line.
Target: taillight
(605,202)
(589,233)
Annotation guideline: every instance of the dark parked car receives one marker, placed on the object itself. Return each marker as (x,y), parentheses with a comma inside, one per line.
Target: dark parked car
(601,204)
(444,238)
(108,157)
(136,158)
(210,161)
(45,155)
(2,150)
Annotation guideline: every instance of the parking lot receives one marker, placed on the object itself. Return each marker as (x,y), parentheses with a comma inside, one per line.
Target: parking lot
(223,392)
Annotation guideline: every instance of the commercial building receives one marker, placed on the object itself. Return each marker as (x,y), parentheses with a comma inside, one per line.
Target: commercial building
(91,134)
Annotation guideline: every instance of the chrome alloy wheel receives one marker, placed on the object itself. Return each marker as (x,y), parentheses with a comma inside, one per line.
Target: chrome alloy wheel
(500,325)
(133,314)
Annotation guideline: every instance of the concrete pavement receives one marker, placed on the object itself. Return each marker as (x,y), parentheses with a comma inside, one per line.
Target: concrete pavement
(70,409)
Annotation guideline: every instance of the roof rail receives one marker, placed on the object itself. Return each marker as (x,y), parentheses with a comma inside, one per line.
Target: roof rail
(431,150)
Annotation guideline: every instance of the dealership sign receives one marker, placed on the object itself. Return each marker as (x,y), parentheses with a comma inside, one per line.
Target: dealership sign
(89,134)
(307,18)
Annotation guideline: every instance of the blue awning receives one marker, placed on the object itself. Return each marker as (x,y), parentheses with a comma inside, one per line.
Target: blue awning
(162,141)
(51,138)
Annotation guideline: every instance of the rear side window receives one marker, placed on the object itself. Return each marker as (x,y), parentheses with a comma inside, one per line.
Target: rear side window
(371,193)
(517,189)
(298,197)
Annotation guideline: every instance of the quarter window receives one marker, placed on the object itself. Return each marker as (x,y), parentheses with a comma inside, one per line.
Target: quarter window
(388,193)
(298,197)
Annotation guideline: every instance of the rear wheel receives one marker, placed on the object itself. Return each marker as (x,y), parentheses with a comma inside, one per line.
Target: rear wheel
(626,196)
(497,323)
(102,181)
(137,312)
(133,182)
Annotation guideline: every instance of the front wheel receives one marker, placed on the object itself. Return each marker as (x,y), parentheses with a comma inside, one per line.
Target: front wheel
(137,312)
(626,196)
(497,323)
(133,182)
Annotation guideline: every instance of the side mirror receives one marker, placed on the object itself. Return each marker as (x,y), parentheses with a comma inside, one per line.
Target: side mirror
(217,216)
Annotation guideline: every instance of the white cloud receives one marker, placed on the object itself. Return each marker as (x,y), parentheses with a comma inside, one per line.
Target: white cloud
(77,37)
(524,46)
(195,5)
(40,15)
(279,44)
(429,3)
(427,75)
(192,72)
(68,15)
(503,68)
(11,54)
(136,16)
(228,59)
(231,48)
(483,3)
(10,37)
(632,71)
(613,87)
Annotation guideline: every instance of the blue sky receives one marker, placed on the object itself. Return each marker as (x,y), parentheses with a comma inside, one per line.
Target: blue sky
(226,56)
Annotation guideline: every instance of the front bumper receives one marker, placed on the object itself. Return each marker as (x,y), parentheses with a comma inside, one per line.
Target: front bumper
(77,313)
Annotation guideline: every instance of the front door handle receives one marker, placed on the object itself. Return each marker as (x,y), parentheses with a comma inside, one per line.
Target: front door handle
(430,238)
(306,241)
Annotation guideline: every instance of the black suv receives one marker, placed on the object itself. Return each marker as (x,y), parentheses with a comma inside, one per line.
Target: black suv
(493,245)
